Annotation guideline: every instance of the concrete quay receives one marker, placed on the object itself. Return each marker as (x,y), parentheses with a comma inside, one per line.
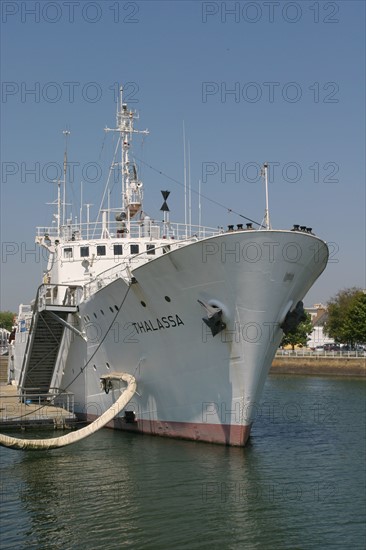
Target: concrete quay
(15,413)
(318,365)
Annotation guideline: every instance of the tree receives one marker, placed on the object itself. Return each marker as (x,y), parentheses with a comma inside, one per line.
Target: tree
(299,336)
(354,326)
(345,316)
(6,319)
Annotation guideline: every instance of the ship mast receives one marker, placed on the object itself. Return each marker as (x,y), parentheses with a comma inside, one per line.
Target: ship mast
(58,208)
(66,133)
(131,186)
(61,202)
(266,221)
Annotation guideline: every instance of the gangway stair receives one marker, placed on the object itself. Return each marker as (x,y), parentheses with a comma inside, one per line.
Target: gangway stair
(49,322)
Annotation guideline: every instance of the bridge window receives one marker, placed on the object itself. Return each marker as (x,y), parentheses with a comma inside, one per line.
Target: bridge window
(150,249)
(134,248)
(118,249)
(68,253)
(101,250)
(84,251)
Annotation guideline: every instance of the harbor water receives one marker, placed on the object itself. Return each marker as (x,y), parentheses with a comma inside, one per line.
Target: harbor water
(299,484)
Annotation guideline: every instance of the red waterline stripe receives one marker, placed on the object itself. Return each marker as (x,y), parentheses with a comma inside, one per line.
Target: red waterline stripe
(224,434)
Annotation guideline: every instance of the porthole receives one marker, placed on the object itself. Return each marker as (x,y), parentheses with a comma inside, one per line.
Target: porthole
(143,303)
(167,298)
(116,308)
(111,308)
(102,312)
(94,367)
(108,366)
(95,315)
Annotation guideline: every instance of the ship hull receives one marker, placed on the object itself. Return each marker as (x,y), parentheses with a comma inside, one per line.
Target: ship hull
(191,384)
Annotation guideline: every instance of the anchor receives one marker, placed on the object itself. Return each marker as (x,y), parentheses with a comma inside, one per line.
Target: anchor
(213,319)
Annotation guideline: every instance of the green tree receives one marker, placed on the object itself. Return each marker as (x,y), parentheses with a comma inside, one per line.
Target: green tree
(6,319)
(344,315)
(355,322)
(299,337)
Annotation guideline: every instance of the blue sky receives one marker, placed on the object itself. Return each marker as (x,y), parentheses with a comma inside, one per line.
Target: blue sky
(296,75)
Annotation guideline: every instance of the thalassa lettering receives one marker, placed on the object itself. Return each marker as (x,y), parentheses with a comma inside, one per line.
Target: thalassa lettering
(170,321)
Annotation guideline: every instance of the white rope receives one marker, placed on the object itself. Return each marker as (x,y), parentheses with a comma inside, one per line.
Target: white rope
(73,437)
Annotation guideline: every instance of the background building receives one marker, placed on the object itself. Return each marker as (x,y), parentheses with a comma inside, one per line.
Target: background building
(319,316)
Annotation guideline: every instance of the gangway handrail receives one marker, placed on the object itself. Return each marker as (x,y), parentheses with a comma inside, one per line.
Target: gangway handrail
(35,313)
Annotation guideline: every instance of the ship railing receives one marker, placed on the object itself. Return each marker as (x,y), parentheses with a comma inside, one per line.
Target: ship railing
(150,229)
(123,269)
(320,353)
(58,295)
(49,295)
(116,272)
(54,399)
(63,399)
(4,348)
(4,340)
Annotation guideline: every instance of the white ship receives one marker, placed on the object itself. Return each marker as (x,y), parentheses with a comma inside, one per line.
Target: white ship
(194,314)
